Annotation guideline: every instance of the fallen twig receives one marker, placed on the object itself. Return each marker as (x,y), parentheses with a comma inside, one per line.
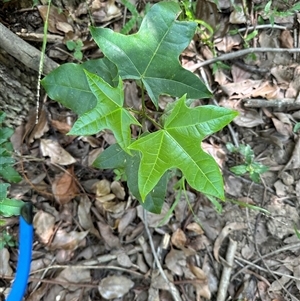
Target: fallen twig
(173,290)
(24,52)
(239,53)
(227,268)
(289,103)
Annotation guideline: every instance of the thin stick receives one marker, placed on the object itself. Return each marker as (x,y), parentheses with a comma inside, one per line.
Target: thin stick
(91,267)
(288,103)
(243,52)
(251,264)
(285,248)
(227,268)
(173,290)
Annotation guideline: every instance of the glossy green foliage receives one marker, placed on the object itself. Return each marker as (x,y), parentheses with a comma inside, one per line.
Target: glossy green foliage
(178,145)
(151,55)
(69,86)
(8,207)
(94,90)
(108,113)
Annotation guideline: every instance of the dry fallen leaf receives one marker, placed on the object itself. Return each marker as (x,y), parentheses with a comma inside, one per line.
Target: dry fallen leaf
(176,261)
(294,161)
(195,227)
(179,239)
(202,289)
(112,241)
(64,187)
(55,16)
(73,275)
(114,287)
(126,219)
(68,240)
(101,188)
(60,126)
(33,130)
(215,151)
(84,216)
(52,149)
(224,233)
(5,268)
(118,190)
(43,223)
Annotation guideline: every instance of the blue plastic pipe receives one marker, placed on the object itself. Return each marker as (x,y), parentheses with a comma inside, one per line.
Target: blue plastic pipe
(25,250)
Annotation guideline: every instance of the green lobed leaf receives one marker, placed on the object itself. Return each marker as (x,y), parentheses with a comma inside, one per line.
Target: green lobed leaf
(8,173)
(68,85)
(2,116)
(6,161)
(3,190)
(108,113)
(9,207)
(151,55)
(155,199)
(296,127)
(177,145)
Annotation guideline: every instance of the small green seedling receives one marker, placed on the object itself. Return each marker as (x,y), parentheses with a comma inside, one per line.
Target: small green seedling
(6,240)
(136,18)
(8,207)
(271,13)
(296,127)
(255,169)
(76,47)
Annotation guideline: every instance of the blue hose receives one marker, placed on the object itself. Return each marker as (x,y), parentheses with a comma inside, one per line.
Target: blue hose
(25,249)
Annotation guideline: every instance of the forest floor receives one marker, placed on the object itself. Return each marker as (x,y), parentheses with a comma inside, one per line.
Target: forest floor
(91,242)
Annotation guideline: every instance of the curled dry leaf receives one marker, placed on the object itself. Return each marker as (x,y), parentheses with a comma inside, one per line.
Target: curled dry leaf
(55,17)
(111,240)
(101,188)
(5,268)
(60,126)
(294,161)
(93,155)
(124,260)
(202,288)
(215,151)
(33,130)
(68,240)
(286,39)
(114,287)
(146,251)
(84,216)
(224,233)
(52,149)
(118,190)
(115,207)
(64,187)
(73,275)
(195,227)
(126,219)
(178,239)
(237,16)
(176,261)
(43,224)
(158,282)
(106,198)
(246,118)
